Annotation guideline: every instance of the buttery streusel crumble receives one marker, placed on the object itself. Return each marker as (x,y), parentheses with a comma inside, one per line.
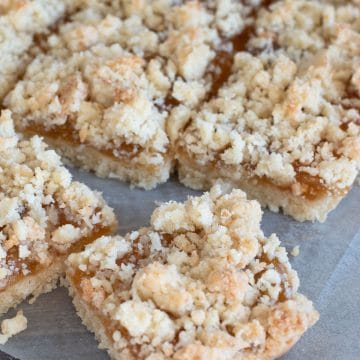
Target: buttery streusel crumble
(302,27)
(20,22)
(44,215)
(202,282)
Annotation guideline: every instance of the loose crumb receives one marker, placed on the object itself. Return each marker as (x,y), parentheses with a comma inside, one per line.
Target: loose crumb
(12,326)
(295,251)
(202,282)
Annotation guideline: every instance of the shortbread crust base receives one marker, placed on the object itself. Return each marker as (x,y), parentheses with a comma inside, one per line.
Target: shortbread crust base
(43,281)
(95,325)
(300,208)
(104,166)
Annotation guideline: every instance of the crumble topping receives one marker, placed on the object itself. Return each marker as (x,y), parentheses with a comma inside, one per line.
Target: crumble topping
(202,281)
(42,210)
(295,251)
(185,33)
(20,20)
(302,27)
(13,326)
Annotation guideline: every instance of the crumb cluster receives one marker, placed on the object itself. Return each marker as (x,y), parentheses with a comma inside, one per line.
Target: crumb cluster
(42,211)
(20,22)
(201,282)
(13,326)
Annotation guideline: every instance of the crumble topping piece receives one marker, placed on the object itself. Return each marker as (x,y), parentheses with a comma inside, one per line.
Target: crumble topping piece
(13,326)
(187,34)
(201,282)
(283,121)
(42,211)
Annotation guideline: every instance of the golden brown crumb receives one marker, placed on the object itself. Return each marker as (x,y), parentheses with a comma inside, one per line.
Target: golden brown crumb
(13,326)
(295,251)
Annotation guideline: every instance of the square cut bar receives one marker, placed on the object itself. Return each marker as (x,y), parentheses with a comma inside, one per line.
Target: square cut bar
(284,129)
(112,101)
(44,215)
(202,282)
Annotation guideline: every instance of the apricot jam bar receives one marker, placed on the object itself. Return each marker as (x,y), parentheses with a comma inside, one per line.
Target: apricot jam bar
(112,100)
(202,282)
(285,126)
(44,216)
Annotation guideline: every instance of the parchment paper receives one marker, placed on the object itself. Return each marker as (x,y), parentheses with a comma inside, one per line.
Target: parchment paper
(328,267)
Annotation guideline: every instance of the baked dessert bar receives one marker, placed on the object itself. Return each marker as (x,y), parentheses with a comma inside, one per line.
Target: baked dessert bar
(20,22)
(284,127)
(44,215)
(202,282)
(109,99)
(98,108)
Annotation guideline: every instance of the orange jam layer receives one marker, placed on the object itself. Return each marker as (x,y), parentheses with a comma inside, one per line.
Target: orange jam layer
(77,279)
(311,187)
(66,133)
(125,153)
(35,267)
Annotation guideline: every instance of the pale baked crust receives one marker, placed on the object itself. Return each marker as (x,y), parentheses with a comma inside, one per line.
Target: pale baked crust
(202,282)
(32,285)
(12,326)
(43,215)
(106,166)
